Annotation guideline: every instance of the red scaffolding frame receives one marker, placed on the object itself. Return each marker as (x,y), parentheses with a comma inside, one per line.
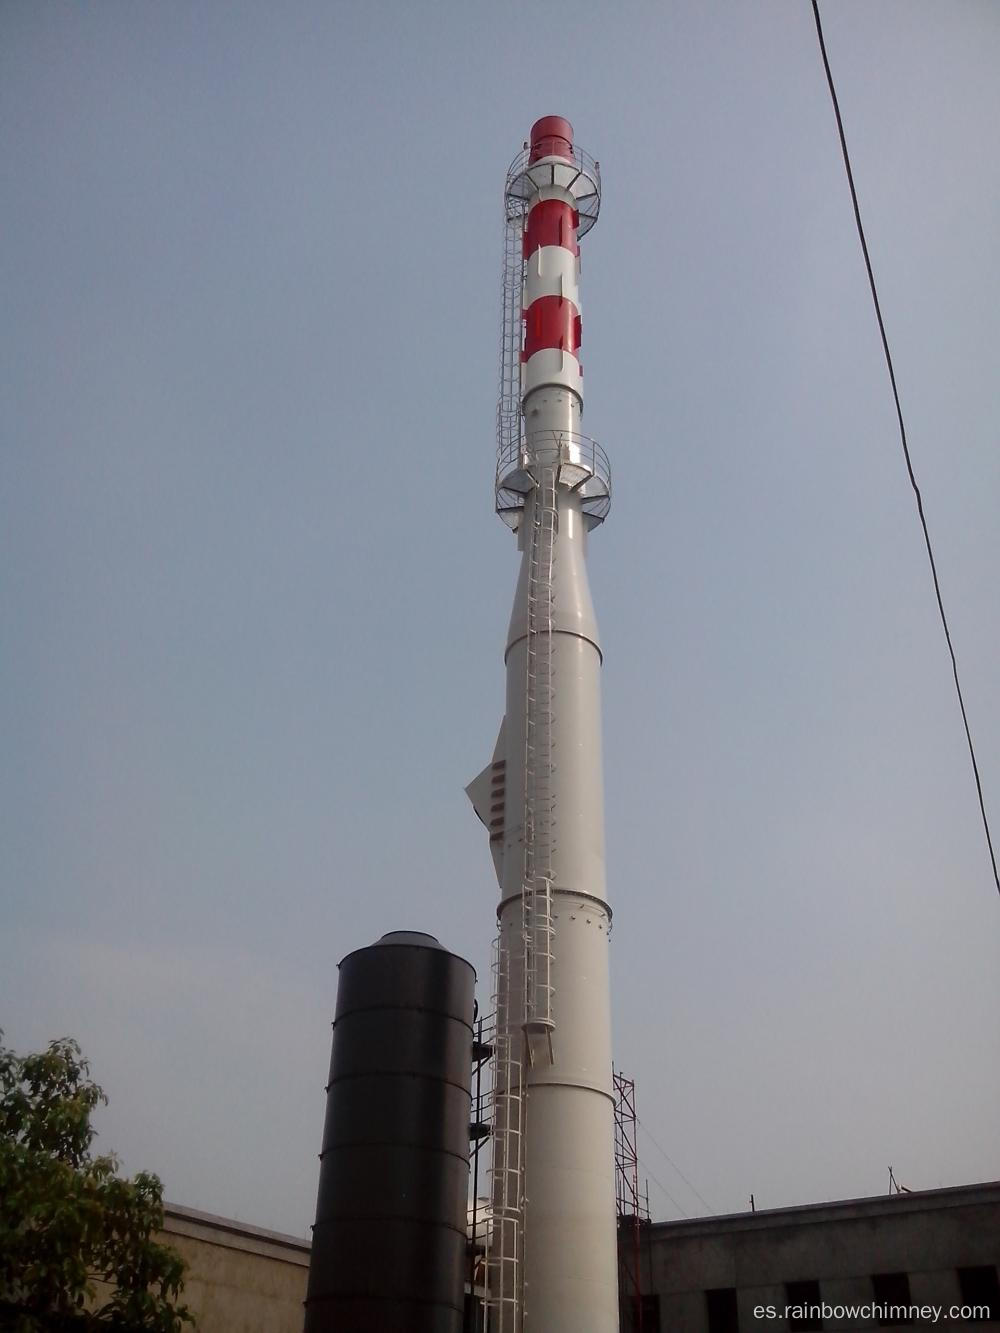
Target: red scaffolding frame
(632,1207)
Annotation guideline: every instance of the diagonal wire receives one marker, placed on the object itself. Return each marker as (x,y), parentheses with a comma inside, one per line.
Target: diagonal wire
(902,436)
(668,1158)
(657,1181)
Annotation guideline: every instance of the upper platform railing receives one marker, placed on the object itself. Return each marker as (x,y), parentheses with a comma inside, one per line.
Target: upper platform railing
(581,466)
(579,173)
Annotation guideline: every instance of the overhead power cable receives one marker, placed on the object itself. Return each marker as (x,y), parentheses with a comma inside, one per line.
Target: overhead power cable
(666,1156)
(902,436)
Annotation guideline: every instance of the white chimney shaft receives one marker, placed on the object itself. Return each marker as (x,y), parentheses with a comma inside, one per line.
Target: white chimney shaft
(553,1260)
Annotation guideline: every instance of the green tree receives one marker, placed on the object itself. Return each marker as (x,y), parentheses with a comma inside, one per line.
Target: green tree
(68,1221)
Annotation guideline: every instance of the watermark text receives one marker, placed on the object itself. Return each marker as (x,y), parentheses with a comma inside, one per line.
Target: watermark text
(813,1313)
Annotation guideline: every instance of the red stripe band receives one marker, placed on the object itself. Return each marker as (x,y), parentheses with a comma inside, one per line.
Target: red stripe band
(552,136)
(551,321)
(551,222)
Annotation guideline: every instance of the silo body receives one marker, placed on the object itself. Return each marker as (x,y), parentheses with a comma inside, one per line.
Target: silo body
(389,1242)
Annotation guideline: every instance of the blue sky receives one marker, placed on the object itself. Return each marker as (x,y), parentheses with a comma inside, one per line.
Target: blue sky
(254,595)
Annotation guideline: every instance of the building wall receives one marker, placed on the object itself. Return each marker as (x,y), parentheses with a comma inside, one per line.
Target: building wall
(240,1279)
(244,1280)
(929,1236)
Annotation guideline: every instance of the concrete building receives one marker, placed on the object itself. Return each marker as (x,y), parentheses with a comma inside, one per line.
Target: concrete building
(936,1249)
(240,1279)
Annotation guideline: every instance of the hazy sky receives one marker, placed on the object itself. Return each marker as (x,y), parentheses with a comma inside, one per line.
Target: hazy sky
(254,595)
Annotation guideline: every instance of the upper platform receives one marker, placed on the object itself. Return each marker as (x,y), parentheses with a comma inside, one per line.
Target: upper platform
(571,169)
(580,465)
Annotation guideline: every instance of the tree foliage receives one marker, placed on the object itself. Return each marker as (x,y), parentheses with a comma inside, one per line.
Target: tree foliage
(76,1239)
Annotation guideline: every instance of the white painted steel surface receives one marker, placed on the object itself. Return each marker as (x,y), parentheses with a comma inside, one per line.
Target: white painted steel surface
(564,1232)
(551,366)
(552,271)
(569,1248)
(550,409)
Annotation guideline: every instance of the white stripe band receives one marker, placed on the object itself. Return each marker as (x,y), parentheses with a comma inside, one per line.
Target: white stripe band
(552,271)
(553,192)
(550,365)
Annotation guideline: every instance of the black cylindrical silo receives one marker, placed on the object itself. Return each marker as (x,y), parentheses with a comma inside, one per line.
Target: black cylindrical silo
(389,1244)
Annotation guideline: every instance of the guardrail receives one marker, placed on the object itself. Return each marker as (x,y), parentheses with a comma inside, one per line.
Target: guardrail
(581,466)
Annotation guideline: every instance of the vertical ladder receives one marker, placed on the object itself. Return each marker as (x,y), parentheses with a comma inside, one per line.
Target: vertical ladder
(505,1228)
(509,403)
(539,813)
(505,1232)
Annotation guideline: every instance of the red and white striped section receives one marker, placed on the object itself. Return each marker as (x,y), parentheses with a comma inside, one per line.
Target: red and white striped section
(551,302)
